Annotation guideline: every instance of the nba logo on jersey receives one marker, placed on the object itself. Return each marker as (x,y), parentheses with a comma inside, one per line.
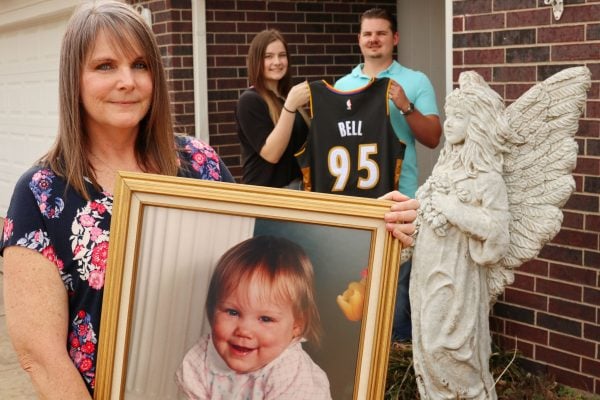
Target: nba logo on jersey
(348,105)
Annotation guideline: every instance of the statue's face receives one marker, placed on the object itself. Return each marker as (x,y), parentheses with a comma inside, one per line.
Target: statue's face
(455,126)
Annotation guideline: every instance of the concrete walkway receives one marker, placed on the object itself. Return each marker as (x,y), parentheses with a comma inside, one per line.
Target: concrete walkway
(14,383)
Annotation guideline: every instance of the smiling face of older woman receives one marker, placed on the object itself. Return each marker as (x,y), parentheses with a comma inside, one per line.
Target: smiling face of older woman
(116,87)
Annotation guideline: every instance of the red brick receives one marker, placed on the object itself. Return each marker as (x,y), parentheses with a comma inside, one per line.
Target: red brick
(579,202)
(576,238)
(526,299)
(572,345)
(493,56)
(561,254)
(578,178)
(594,92)
(592,259)
(535,266)
(572,379)
(496,324)
(559,324)
(573,220)
(482,22)
(593,109)
(590,367)
(529,18)
(591,296)
(525,348)
(575,52)
(514,37)
(592,332)
(505,342)
(558,358)
(592,223)
(524,282)
(338,8)
(458,24)
(573,310)
(471,7)
(589,128)
(584,13)
(514,74)
(559,34)
(593,32)
(471,39)
(527,54)
(457,57)
(527,332)
(224,139)
(558,289)
(509,311)
(566,273)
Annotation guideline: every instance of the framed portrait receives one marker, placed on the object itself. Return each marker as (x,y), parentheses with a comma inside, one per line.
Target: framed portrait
(168,234)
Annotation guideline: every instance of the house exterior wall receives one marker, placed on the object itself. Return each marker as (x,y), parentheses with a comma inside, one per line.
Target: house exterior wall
(172,24)
(552,311)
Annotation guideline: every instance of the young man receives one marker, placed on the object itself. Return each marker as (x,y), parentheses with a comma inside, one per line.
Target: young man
(414,117)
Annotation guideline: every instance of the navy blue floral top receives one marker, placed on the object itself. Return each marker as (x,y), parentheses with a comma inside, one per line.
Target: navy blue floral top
(74,234)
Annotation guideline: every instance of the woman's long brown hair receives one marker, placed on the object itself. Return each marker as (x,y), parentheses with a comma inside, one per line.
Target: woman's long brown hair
(154,146)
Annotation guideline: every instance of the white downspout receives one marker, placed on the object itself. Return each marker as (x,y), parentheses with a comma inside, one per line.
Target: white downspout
(200,74)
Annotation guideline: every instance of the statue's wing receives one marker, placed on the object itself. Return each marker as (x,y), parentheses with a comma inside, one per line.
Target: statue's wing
(541,156)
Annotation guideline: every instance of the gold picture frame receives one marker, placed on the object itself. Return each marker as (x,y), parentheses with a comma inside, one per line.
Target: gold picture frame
(167,233)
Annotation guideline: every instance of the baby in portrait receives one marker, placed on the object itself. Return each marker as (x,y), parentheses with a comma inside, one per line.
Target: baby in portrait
(261,307)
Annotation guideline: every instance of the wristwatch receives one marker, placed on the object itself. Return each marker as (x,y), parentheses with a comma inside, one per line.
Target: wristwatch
(410,109)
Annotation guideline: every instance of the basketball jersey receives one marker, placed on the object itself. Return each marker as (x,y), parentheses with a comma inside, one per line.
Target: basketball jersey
(351,147)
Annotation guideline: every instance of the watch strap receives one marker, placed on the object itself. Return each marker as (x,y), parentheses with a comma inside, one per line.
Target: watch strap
(410,109)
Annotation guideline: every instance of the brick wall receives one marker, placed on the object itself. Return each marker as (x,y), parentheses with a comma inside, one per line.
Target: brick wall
(172,24)
(552,311)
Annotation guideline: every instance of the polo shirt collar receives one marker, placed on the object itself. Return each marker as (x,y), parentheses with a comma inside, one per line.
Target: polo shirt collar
(394,68)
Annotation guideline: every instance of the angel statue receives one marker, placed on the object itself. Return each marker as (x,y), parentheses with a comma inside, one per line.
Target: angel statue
(492,201)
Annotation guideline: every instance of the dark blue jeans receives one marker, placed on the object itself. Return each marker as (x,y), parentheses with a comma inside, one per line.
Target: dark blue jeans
(402,327)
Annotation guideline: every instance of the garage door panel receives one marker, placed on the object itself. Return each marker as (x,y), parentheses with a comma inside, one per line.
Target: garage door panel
(28,96)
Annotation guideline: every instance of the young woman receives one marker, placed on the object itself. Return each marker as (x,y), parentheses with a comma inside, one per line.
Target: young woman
(271,124)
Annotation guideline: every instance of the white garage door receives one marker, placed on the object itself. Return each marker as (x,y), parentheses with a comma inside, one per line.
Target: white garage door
(30,35)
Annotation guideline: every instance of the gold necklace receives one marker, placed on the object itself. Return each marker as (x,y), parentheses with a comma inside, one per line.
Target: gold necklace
(105,166)
(111,169)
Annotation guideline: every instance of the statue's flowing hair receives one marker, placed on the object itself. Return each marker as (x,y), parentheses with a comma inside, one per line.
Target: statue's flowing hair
(487,129)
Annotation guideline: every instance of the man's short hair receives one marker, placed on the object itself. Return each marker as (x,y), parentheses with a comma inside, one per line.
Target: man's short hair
(379,13)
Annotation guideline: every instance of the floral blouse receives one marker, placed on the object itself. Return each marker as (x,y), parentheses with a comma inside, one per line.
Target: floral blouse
(74,235)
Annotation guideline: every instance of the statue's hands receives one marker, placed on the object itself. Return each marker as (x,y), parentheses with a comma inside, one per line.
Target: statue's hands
(439,202)
(441,207)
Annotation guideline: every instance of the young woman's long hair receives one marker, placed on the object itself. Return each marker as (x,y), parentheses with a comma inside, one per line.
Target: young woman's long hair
(155,146)
(256,66)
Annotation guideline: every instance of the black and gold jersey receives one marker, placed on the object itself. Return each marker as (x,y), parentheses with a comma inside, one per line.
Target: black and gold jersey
(351,147)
